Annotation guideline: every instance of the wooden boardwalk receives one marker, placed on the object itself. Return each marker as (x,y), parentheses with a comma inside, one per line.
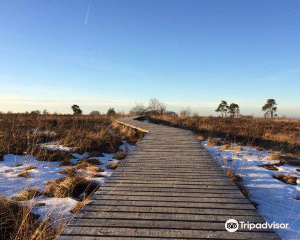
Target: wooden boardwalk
(169,187)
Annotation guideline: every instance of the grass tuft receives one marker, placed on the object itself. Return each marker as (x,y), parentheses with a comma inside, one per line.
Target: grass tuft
(27,194)
(70,186)
(286,179)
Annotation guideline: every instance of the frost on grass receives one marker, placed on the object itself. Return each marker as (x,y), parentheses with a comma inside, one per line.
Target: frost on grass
(275,194)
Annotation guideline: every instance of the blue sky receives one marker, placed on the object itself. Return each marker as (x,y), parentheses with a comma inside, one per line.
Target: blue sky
(186,53)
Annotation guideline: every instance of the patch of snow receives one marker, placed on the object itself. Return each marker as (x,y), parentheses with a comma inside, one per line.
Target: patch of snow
(53,146)
(58,209)
(275,200)
(38,132)
(10,184)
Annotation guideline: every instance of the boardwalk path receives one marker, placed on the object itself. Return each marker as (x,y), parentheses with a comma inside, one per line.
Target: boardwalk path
(169,187)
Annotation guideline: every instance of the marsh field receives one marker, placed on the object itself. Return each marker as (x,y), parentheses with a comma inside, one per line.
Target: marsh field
(50,165)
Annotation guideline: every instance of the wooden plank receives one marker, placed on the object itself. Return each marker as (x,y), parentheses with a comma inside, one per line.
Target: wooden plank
(156,209)
(150,224)
(164,233)
(166,216)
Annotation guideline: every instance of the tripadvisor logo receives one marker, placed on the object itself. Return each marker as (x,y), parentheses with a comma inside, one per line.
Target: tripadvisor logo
(233,225)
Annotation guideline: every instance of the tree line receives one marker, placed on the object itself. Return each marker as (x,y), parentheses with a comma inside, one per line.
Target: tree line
(156,107)
(233,110)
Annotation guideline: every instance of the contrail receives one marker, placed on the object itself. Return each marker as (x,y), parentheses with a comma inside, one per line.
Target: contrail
(87,14)
(291,12)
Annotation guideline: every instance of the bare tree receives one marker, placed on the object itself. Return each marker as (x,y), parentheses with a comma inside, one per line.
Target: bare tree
(139,109)
(185,112)
(157,107)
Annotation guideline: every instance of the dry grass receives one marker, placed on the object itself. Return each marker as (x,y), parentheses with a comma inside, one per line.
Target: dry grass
(24,174)
(79,206)
(270,167)
(291,160)
(30,167)
(27,194)
(200,138)
(214,142)
(233,148)
(234,177)
(83,133)
(18,223)
(113,166)
(278,134)
(94,134)
(72,171)
(96,154)
(286,179)
(43,154)
(70,186)
(121,155)
(92,161)
(92,175)
(66,163)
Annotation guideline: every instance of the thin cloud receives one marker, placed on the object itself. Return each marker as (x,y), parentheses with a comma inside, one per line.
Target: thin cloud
(87,14)
(291,12)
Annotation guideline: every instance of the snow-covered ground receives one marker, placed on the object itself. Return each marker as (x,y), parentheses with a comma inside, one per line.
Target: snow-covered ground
(57,208)
(275,200)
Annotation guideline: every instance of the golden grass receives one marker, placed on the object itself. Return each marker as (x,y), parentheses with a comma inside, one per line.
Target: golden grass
(213,142)
(30,167)
(66,163)
(43,154)
(121,155)
(234,177)
(291,160)
(113,166)
(94,134)
(286,179)
(233,148)
(266,133)
(18,223)
(84,166)
(96,154)
(24,174)
(27,194)
(92,175)
(77,208)
(270,167)
(200,138)
(92,161)
(70,186)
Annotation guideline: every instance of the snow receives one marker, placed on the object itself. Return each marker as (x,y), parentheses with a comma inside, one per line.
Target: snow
(275,200)
(57,209)
(38,132)
(54,146)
